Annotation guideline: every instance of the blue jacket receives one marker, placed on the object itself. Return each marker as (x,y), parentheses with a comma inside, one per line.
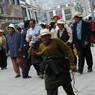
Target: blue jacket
(13,44)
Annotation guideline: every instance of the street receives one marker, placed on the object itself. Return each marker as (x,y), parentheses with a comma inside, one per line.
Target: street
(85,83)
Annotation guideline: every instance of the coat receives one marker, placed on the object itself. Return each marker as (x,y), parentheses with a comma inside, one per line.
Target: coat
(13,44)
(53,56)
(85,35)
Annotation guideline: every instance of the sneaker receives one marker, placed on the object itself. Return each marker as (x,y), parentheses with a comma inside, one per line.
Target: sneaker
(17,76)
(81,72)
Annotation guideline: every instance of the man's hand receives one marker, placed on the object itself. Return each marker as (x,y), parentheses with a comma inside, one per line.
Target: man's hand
(7,54)
(86,43)
(20,50)
(32,51)
(30,37)
(73,67)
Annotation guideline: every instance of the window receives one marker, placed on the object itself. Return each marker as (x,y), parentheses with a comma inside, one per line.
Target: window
(68,17)
(6,1)
(17,2)
(59,13)
(1,10)
(13,1)
(51,14)
(1,1)
(67,11)
(24,12)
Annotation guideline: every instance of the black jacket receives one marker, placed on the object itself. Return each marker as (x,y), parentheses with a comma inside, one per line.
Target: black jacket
(64,37)
(85,35)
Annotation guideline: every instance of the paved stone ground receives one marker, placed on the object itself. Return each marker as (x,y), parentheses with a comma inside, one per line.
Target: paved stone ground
(35,86)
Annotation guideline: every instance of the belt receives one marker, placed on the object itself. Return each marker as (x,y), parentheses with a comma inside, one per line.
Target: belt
(54,57)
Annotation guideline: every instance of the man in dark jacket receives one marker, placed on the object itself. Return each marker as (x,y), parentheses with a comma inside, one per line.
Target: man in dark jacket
(82,42)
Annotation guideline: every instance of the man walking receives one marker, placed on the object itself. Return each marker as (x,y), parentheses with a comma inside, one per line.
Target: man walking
(81,39)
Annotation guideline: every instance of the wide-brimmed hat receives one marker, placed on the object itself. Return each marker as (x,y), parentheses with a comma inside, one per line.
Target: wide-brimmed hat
(77,15)
(43,23)
(11,26)
(1,30)
(61,21)
(44,32)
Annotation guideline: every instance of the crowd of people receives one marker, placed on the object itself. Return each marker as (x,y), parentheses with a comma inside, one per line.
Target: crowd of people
(52,49)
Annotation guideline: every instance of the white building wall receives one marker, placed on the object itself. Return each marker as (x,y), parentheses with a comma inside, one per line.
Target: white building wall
(63,14)
(28,17)
(54,12)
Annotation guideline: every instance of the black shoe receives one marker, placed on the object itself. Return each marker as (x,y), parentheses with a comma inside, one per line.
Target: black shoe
(81,72)
(41,76)
(4,68)
(17,76)
(89,70)
(27,77)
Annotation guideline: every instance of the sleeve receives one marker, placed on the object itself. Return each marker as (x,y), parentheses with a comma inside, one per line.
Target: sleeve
(27,35)
(6,45)
(69,53)
(88,32)
(21,41)
(4,42)
(73,33)
(40,51)
(66,38)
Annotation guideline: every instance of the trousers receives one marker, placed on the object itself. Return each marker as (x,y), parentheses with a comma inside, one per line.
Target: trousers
(67,87)
(85,53)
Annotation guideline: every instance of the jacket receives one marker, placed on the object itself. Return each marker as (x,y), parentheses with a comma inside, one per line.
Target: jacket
(85,35)
(13,44)
(56,70)
(64,37)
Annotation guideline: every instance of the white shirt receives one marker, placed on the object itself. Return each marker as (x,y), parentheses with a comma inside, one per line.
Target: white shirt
(54,33)
(34,32)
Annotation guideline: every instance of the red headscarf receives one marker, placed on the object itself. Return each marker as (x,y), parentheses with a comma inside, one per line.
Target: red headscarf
(58,17)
